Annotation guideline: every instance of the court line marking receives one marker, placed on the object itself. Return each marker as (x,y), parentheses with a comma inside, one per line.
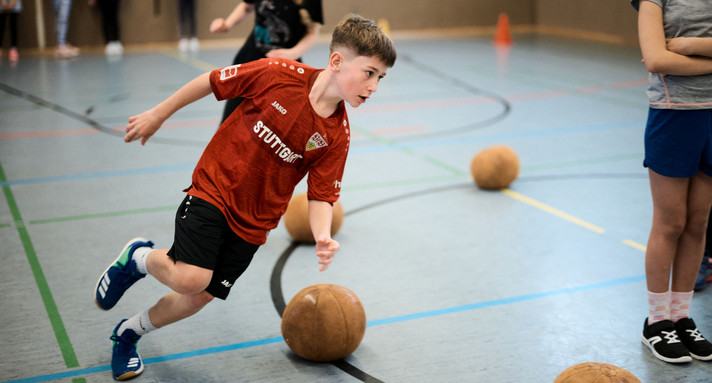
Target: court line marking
(553,211)
(55,319)
(635,245)
(369,324)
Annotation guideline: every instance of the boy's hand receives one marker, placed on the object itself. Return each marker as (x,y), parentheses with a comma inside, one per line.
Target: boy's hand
(325,250)
(142,126)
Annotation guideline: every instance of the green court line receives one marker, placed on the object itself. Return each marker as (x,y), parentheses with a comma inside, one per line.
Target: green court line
(104,215)
(60,332)
(4,225)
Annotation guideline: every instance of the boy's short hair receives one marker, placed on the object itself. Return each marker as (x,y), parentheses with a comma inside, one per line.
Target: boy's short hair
(364,38)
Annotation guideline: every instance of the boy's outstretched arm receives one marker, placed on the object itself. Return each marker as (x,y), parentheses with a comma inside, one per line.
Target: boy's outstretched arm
(320,214)
(144,125)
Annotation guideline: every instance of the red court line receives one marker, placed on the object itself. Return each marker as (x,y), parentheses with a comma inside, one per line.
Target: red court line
(49,133)
(86,131)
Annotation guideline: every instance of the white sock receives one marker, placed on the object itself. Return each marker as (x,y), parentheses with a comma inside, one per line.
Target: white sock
(140,255)
(139,323)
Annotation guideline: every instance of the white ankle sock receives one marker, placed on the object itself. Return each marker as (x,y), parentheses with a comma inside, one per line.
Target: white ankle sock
(140,255)
(139,323)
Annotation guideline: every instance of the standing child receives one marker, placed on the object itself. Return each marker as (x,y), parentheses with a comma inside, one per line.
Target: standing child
(10,10)
(676,43)
(109,10)
(293,123)
(64,50)
(283,28)
(187,27)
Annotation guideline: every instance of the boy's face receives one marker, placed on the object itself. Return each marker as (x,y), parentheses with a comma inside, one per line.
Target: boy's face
(358,77)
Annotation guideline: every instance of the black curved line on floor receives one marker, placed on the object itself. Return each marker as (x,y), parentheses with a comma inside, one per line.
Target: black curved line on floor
(276,277)
(83,118)
(507,107)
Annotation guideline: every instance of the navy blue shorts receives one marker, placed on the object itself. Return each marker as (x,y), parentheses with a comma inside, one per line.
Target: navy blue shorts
(203,238)
(678,143)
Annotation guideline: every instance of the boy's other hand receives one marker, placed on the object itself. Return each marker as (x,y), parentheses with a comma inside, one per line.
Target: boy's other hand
(325,250)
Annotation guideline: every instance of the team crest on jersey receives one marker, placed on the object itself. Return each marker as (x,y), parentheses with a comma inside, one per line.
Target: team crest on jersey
(316,142)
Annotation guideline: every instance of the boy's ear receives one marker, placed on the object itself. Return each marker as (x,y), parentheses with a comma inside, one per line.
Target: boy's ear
(335,61)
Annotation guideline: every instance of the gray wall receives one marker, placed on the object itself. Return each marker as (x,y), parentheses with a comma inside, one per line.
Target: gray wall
(144,21)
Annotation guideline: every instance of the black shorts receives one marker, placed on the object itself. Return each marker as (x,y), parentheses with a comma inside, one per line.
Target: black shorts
(203,238)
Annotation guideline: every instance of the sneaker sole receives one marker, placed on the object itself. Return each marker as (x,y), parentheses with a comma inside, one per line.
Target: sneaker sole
(682,359)
(702,358)
(96,287)
(130,374)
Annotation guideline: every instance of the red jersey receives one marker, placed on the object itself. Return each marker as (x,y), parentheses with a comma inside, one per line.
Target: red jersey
(265,148)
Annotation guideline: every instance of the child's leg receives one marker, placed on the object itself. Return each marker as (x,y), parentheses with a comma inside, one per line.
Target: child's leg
(669,219)
(61,17)
(181,277)
(13,29)
(3,17)
(691,245)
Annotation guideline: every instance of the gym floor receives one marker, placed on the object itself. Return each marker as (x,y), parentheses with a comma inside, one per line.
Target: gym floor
(458,284)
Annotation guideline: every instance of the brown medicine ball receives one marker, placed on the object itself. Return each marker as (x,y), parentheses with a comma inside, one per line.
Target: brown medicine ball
(323,323)
(296,219)
(596,373)
(495,168)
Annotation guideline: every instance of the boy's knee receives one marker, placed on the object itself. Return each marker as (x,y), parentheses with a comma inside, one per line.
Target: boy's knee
(191,282)
(201,299)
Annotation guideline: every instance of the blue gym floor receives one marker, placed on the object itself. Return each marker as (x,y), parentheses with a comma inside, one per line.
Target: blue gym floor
(458,284)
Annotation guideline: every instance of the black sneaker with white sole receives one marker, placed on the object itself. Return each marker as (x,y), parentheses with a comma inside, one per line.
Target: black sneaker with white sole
(695,343)
(661,338)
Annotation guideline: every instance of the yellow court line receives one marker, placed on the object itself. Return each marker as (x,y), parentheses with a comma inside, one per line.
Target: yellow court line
(635,245)
(553,211)
(190,60)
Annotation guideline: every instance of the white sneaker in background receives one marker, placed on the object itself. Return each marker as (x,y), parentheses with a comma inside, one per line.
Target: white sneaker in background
(194,44)
(183,45)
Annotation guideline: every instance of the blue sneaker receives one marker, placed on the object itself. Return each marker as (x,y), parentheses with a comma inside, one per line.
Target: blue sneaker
(125,361)
(705,273)
(119,276)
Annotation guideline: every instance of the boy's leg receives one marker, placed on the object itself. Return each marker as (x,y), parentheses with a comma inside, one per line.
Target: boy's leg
(121,274)
(133,262)
(181,277)
(125,360)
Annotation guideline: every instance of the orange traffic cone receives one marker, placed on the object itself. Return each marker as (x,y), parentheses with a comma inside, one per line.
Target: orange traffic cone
(502,35)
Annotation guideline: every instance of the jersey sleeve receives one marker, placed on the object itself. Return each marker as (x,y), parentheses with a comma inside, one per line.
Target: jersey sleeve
(325,175)
(241,80)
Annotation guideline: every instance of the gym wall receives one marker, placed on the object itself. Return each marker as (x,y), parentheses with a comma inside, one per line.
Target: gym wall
(156,21)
